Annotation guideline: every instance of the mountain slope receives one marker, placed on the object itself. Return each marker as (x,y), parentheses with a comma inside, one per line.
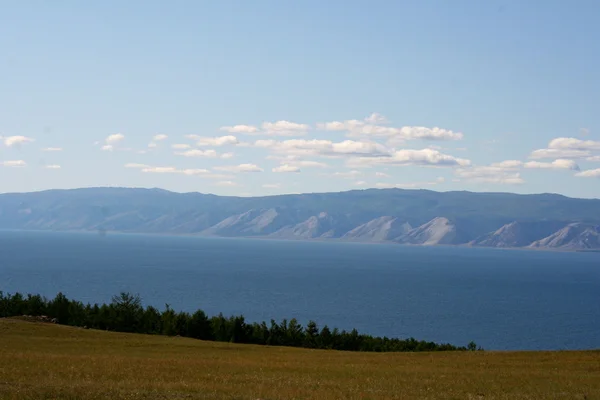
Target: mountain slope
(437,231)
(518,234)
(576,236)
(379,229)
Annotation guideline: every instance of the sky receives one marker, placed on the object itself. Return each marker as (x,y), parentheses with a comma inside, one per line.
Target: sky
(252,98)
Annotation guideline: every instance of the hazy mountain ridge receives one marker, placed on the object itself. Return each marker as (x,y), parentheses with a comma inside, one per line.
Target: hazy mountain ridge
(416,217)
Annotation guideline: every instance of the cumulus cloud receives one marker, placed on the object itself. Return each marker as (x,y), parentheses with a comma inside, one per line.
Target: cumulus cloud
(508,164)
(200,172)
(239,168)
(52,149)
(277,128)
(371,126)
(376,118)
(424,157)
(327,148)
(284,128)
(152,145)
(107,147)
(271,185)
(217,141)
(197,153)
(13,163)
(286,168)
(573,144)
(556,164)
(564,147)
(590,173)
(247,129)
(360,183)
(135,165)
(116,138)
(52,166)
(489,174)
(159,137)
(227,155)
(558,153)
(11,141)
(593,158)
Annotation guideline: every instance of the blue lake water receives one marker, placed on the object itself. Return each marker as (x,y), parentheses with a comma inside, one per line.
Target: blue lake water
(501,299)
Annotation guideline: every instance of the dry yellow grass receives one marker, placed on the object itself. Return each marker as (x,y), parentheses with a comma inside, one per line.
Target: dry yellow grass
(41,361)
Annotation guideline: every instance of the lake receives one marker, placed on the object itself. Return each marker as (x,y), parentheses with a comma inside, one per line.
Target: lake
(501,299)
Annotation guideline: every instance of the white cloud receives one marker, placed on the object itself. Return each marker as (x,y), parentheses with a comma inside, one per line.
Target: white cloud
(316,147)
(181,146)
(194,171)
(107,147)
(382,175)
(15,163)
(489,174)
(590,173)
(573,144)
(240,168)
(49,149)
(567,148)
(284,128)
(52,166)
(227,155)
(226,183)
(271,185)
(112,139)
(217,141)
(412,185)
(558,153)
(508,164)
(134,165)
(556,164)
(376,118)
(424,157)
(197,153)
(160,170)
(360,183)
(371,126)
(199,172)
(152,145)
(159,137)
(247,129)
(593,159)
(11,141)
(286,168)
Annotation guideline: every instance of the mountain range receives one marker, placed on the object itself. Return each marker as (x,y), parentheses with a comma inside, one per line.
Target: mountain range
(413,217)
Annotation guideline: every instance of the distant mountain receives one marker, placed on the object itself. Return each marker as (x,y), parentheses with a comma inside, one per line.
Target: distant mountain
(379,230)
(437,231)
(417,217)
(576,236)
(518,234)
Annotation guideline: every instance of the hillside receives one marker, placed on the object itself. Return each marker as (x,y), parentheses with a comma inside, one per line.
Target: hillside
(46,361)
(417,217)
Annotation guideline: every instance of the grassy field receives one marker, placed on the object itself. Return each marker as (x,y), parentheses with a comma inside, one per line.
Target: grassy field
(43,361)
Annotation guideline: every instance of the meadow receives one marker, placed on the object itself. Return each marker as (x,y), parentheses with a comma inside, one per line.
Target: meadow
(47,361)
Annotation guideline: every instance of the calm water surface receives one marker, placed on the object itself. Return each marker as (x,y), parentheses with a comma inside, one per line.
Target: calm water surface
(502,299)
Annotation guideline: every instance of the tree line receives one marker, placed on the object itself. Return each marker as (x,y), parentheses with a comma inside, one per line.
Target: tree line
(126,313)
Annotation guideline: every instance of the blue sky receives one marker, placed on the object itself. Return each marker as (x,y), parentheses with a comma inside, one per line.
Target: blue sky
(269,97)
